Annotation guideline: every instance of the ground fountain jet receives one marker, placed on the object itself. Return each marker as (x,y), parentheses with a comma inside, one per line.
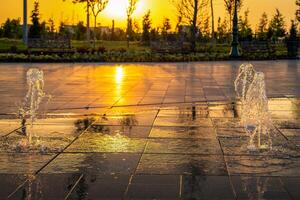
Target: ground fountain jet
(33,98)
(255,116)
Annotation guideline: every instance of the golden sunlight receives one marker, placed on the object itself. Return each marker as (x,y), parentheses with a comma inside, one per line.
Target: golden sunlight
(119,75)
(116,9)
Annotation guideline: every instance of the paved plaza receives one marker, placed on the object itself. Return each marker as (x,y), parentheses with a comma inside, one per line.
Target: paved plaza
(148,131)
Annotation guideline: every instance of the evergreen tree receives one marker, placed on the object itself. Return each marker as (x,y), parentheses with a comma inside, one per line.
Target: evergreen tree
(166,27)
(222,30)
(12,29)
(277,26)
(35,29)
(80,31)
(51,26)
(205,29)
(146,28)
(63,30)
(245,31)
(263,27)
(292,41)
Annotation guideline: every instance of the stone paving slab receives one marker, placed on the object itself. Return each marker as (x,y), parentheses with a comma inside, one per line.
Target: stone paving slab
(182,164)
(98,163)
(154,131)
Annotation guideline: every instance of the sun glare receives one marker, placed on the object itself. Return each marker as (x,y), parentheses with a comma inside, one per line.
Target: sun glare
(116,9)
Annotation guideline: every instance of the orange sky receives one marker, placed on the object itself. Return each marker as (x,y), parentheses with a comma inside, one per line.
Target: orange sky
(68,12)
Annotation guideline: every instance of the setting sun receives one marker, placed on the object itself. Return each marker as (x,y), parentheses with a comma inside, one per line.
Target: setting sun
(117,9)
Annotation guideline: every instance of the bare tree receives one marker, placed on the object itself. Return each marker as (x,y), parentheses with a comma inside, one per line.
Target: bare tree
(229,6)
(97,6)
(188,13)
(87,16)
(130,10)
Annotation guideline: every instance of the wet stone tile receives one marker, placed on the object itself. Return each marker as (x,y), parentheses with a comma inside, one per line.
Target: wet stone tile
(13,144)
(207,187)
(171,121)
(98,186)
(231,132)
(291,184)
(182,132)
(184,146)
(287,123)
(47,186)
(97,142)
(285,114)
(113,163)
(181,164)
(22,163)
(291,134)
(263,166)
(239,146)
(131,132)
(8,126)
(188,111)
(227,123)
(9,182)
(221,113)
(154,187)
(250,187)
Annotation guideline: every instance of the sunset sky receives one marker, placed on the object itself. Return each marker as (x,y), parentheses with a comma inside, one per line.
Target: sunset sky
(70,13)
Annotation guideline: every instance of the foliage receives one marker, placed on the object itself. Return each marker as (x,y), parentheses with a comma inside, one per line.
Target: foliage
(146,28)
(189,12)
(12,29)
(129,11)
(97,6)
(63,30)
(292,41)
(222,30)
(36,29)
(80,30)
(51,27)
(229,7)
(245,31)
(277,26)
(263,27)
(166,27)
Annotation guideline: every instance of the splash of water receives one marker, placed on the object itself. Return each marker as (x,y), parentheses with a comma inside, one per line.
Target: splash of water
(255,116)
(33,98)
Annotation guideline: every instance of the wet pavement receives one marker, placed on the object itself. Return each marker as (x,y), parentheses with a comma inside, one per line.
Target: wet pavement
(147,131)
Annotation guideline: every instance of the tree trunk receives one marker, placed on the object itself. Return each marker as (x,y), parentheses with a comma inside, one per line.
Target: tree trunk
(194,26)
(95,27)
(212,20)
(88,22)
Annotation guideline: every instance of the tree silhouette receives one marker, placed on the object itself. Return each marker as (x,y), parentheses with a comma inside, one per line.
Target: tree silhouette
(130,10)
(35,29)
(97,6)
(87,16)
(188,13)
(146,28)
(277,25)
(245,31)
(263,27)
(229,7)
(12,29)
(166,27)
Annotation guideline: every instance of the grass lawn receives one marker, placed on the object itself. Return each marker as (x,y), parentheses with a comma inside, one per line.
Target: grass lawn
(6,44)
(112,45)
